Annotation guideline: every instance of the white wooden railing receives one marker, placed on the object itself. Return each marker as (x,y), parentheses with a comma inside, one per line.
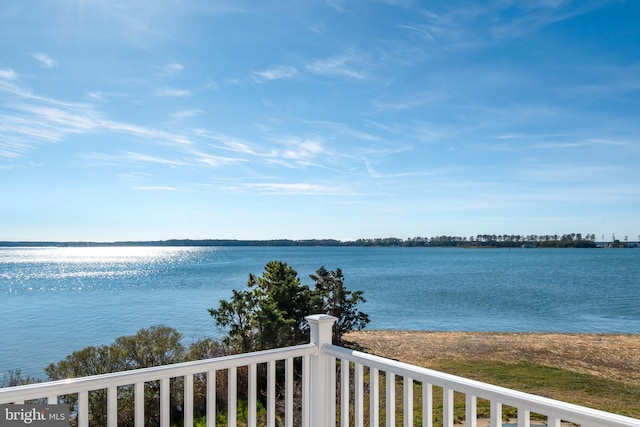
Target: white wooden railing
(50,392)
(335,382)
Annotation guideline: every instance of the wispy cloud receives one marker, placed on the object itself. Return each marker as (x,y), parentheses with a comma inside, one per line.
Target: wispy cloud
(336,5)
(302,149)
(401,3)
(561,174)
(343,66)
(613,81)
(45,60)
(289,151)
(155,188)
(62,120)
(140,24)
(343,130)
(578,143)
(12,149)
(276,73)
(373,173)
(451,29)
(24,126)
(146,158)
(127,158)
(233,144)
(8,74)
(30,120)
(480,24)
(409,102)
(421,31)
(239,146)
(53,123)
(185,114)
(181,157)
(214,160)
(170,70)
(535,15)
(167,91)
(613,142)
(420,131)
(95,96)
(294,188)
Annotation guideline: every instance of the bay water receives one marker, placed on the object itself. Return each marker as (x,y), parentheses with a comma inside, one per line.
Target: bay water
(54,301)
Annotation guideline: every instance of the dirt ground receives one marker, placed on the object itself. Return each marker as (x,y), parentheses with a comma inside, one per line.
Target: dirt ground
(613,356)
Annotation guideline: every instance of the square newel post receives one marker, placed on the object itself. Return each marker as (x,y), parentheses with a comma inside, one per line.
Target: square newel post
(321,326)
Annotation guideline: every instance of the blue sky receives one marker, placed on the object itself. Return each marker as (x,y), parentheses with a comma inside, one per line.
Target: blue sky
(140,120)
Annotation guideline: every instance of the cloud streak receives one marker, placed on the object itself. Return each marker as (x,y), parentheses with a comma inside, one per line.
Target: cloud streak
(294,188)
(155,188)
(185,114)
(338,66)
(45,60)
(171,92)
(276,73)
(31,120)
(8,74)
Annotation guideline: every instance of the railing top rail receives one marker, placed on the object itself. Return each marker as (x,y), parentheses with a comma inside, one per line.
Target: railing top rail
(542,405)
(97,382)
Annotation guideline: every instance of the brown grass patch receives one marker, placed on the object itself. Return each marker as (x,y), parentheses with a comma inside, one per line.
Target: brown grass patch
(611,356)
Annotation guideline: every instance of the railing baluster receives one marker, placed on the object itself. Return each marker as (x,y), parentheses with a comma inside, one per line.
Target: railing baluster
(139,404)
(83,409)
(251,398)
(306,374)
(524,418)
(496,414)
(553,422)
(271,393)
(447,407)
(288,407)
(344,393)
(211,398)
(471,410)
(332,390)
(358,395)
(407,388)
(390,384)
(188,400)
(52,400)
(232,396)
(374,397)
(427,405)
(112,407)
(165,402)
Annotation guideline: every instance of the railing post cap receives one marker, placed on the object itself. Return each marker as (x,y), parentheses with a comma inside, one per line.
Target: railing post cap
(320,318)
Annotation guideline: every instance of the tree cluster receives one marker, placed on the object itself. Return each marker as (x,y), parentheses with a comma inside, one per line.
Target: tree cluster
(572,240)
(271,312)
(155,346)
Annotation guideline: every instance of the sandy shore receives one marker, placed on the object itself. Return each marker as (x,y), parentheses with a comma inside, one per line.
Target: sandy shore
(613,356)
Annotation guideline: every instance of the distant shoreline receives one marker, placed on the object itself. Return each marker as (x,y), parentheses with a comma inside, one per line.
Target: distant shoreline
(484,242)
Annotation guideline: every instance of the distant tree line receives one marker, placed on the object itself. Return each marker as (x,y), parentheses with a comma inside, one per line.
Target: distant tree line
(572,240)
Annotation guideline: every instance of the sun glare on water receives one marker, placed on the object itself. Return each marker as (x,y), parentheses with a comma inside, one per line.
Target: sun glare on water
(78,268)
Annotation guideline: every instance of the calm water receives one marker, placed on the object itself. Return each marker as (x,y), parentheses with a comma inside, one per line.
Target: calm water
(57,300)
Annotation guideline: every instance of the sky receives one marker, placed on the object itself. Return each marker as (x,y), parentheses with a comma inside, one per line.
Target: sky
(302,119)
